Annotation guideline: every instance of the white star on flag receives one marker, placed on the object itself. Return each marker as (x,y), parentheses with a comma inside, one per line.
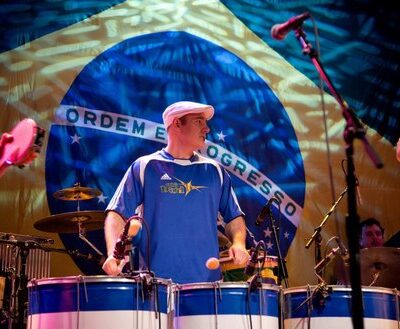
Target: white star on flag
(221,136)
(75,138)
(269,245)
(286,235)
(102,198)
(267,232)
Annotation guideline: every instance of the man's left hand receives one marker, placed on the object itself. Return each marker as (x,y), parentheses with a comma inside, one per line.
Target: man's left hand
(239,254)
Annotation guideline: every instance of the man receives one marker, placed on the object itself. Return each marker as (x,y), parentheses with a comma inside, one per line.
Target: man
(371,233)
(179,194)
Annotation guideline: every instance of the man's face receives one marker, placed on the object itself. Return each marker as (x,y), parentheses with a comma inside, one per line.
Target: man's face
(194,130)
(371,236)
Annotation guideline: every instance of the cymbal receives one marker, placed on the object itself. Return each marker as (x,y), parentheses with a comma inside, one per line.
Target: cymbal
(382,260)
(76,193)
(69,222)
(19,238)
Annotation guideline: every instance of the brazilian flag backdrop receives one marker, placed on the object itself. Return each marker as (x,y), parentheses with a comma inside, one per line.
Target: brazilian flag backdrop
(96,75)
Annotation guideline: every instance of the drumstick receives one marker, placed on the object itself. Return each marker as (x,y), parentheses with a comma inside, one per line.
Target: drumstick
(213,263)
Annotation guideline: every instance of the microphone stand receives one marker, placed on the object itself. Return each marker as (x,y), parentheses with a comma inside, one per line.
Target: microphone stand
(353,129)
(257,280)
(253,239)
(317,232)
(282,270)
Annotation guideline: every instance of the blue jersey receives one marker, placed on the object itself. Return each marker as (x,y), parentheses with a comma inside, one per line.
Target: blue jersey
(180,200)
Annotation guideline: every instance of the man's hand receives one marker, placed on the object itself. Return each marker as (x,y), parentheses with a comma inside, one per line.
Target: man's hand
(239,254)
(113,226)
(113,266)
(236,231)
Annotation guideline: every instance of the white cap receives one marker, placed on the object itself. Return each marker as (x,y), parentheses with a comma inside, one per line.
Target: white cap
(179,109)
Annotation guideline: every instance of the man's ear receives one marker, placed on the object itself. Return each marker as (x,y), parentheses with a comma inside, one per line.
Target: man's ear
(177,123)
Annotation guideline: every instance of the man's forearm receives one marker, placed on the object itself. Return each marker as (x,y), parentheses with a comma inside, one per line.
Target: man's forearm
(113,227)
(236,231)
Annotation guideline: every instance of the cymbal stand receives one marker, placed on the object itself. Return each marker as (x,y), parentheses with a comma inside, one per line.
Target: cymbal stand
(354,129)
(9,309)
(22,291)
(82,236)
(81,228)
(19,285)
(77,197)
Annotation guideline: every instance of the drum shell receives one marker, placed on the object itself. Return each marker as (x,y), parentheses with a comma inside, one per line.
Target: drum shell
(100,302)
(334,310)
(226,306)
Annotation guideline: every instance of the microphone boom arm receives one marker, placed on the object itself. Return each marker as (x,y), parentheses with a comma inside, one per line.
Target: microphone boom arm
(317,232)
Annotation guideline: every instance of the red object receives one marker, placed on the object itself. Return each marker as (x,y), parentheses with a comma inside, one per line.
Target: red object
(19,147)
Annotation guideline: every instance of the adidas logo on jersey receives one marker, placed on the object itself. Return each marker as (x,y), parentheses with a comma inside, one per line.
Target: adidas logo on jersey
(165,177)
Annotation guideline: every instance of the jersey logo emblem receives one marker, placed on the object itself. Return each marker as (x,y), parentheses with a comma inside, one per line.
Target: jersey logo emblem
(189,187)
(165,177)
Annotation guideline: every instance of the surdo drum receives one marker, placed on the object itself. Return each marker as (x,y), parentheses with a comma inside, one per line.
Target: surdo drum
(100,302)
(226,306)
(307,307)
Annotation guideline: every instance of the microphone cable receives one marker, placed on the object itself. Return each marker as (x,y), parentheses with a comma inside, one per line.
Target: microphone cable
(148,248)
(260,246)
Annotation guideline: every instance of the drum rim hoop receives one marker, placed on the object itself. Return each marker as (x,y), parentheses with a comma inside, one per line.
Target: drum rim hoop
(339,288)
(90,279)
(222,285)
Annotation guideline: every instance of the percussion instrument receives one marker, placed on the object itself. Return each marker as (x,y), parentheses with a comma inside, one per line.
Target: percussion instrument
(380,266)
(214,263)
(74,222)
(100,302)
(235,272)
(21,258)
(330,308)
(21,145)
(76,193)
(13,238)
(71,222)
(3,291)
(226,306)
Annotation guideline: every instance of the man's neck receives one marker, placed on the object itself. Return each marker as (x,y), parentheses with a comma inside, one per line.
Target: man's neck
(179,152)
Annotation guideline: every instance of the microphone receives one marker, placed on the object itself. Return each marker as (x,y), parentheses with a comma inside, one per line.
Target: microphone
(279,31)
(343,251)
(131,229)
(339,250)
(251,265)
(265,211)
(325,261)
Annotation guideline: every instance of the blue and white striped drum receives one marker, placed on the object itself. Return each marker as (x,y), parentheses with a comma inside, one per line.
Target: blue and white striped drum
(307,307)
(225,305)
(100,302)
